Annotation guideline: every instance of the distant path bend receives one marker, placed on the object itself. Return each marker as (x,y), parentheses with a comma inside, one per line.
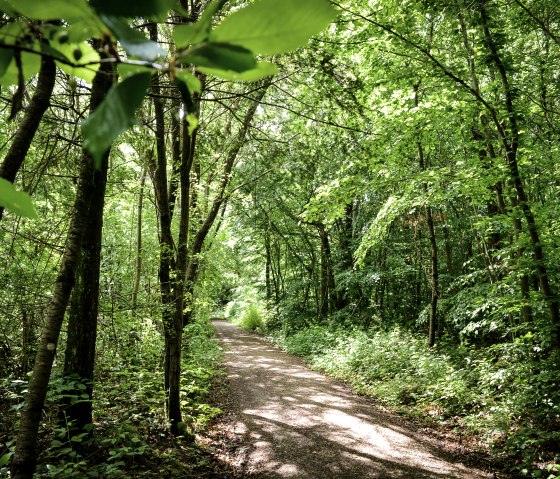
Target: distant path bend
(297,423)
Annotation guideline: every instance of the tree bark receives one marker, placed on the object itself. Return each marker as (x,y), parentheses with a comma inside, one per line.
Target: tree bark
(324,288)
(434,280)
(268,283)
(187,262)
(138,266)
(79,358)
(30,122)
(158,173)
(24,459)
(510,141)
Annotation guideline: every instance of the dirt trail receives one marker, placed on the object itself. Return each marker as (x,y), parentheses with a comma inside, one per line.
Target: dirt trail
(296,423)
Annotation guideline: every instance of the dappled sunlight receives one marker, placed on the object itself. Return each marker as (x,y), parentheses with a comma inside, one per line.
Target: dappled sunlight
(298,423)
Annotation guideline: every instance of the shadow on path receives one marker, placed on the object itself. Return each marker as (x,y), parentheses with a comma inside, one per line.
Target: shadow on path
(296,423)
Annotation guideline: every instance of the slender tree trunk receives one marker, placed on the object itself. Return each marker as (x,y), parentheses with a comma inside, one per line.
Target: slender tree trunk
(173,340)
(524,285)
(28,340)
(434,280)
(24,459)
(327,288)
(79,358)
(138,267)
(30,122)
(275,269)
(158,173)
(198,240)
(433,324)
(268,265)
(526,310)
(510,141)
(187,263)
(448,252)
(347,225)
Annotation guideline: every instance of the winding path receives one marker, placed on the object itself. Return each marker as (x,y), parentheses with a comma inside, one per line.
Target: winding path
(297,423)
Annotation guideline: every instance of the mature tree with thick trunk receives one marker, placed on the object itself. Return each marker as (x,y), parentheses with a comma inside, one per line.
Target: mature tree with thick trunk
(25,457)
(79,356)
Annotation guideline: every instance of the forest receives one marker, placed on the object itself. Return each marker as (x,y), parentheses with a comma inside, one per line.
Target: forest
(372,185)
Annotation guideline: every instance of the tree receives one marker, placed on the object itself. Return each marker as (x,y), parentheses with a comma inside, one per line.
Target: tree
(24,460)
(224,51)
(79,356)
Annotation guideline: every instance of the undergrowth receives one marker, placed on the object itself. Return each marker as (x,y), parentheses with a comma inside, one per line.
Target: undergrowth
(129,437)
(503,394)
(250,316)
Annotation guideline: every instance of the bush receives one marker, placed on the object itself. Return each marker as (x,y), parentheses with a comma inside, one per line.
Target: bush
(251,318)
(503,393)
(311,342)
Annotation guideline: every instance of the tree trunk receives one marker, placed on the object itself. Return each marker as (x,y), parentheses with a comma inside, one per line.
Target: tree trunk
(24,459)
(434,280)
(327,278)
(30,122)
(433,324)
(510,141)
(79,358)
(174,336)
(158,173)
(268,266)
(187,262)
(138,267)
(28,340)
(173,343)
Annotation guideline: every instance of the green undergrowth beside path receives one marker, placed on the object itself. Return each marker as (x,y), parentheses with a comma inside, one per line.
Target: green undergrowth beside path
(504,395)
(130,436)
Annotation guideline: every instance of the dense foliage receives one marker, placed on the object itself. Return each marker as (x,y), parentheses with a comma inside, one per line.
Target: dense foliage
(416,206)
(130,439)
(382,201)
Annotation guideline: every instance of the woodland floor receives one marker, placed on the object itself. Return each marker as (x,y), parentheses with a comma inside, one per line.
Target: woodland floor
(283,420)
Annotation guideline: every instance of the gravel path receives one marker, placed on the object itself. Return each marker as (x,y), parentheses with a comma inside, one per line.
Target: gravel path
(295,423)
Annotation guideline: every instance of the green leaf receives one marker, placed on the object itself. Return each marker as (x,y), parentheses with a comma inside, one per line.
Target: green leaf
(270,27)
(221,56)
(137,8)
(5,458)
(6,56)
(192,122)
(185,35)
(78,32)
(379,228)
(17,201)
(70,11)
(6,8)
(191,34)
(134,43)
(82,69)
(31,63)
(192,82)
(263,70)
(13,32)
(114,115)
(125,70)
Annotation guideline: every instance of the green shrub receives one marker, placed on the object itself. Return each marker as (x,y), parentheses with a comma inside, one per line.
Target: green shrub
(505,393)
(251,318)
(310,342)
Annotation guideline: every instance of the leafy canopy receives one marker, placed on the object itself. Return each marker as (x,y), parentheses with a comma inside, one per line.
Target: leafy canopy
(264,27)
